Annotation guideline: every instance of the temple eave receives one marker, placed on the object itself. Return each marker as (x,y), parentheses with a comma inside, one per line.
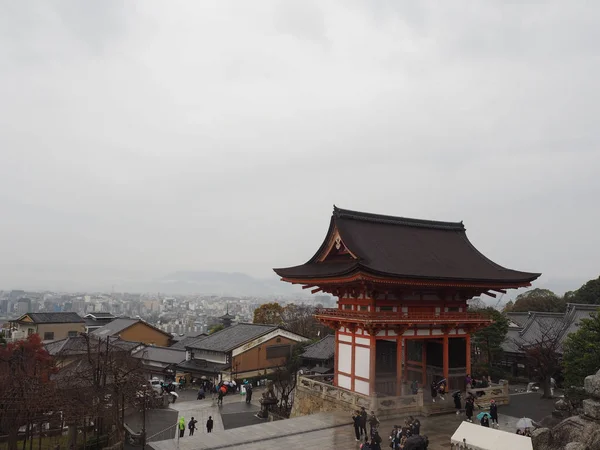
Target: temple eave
(324,283)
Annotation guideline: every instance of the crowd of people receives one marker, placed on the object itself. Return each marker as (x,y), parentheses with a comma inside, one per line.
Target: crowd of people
(407,437)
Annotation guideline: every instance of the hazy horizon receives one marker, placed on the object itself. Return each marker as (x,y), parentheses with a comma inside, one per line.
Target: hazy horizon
(141,139)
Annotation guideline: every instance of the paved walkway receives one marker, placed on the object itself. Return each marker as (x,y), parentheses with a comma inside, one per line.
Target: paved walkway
(323,430)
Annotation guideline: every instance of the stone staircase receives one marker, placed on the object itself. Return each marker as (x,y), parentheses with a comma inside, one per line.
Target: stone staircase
(439,407)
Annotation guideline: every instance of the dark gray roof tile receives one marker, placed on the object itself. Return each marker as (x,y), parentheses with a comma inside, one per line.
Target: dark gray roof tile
(322,350)
(232,337)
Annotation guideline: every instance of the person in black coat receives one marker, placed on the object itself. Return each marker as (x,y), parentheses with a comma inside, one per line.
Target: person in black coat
(434,390)
(363,421)
(494,413)
(356,422)
(457,402)
(485,422)
(469,406)
(209,424)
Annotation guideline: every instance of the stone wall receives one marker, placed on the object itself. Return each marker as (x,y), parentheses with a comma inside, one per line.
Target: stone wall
(497,392)
(313,396)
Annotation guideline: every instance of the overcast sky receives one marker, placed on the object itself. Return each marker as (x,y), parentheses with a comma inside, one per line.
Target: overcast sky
(146,137)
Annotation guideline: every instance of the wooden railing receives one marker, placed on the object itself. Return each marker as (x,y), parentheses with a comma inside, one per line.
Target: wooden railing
(390,316)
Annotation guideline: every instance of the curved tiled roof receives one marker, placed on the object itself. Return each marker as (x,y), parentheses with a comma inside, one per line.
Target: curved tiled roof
(404,248)
(321,350)
(232,337)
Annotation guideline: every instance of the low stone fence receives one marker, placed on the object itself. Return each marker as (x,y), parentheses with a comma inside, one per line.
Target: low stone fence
(497,392)
(314,396)
(403,405)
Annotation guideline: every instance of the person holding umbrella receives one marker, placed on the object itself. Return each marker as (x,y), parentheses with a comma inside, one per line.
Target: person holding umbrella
(485,422)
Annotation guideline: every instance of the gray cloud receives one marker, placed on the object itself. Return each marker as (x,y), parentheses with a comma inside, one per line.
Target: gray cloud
(155,137)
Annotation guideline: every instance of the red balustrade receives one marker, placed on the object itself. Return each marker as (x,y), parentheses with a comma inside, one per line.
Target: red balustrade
(390,316)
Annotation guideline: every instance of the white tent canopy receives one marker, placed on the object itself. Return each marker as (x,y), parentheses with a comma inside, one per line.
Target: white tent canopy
(477,437)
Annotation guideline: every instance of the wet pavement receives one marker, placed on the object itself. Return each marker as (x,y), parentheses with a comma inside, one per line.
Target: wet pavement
(323,430)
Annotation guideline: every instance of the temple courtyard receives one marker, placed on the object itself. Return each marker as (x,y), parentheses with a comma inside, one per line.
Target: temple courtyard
(236,426)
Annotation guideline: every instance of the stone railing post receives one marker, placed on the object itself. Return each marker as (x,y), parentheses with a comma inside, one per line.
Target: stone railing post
(420,402)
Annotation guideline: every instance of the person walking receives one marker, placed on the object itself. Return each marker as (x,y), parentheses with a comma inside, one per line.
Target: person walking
(356,423)
(433,390)
(181,426)
(415,426)
(209,424)
(192,426)
(469,409)
(457,402)
(376,441)
(373,424)
(363,421)
(248,393)
(494,413)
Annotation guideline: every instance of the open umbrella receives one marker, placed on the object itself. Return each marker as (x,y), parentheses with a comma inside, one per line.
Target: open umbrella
(524,423)
(481,415)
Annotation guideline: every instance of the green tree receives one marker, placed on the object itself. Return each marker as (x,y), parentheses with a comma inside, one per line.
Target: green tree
(488,341)
(269,313)
(589,293)
(508,307)
(215,328)
(542,300)
(581,354)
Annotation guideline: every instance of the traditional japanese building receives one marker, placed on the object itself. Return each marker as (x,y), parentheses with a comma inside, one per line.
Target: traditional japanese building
(402,287)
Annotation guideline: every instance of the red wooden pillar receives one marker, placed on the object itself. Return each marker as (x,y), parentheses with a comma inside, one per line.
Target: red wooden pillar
(353,362)
(424,362)
(446,361)
(372,363)
(399,374)
(405,376)
(468,349)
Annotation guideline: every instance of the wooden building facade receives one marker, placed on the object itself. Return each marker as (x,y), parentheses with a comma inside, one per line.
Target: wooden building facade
(402,287)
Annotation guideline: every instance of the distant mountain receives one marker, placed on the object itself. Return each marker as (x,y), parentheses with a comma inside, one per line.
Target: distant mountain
(101,279)
(216,283)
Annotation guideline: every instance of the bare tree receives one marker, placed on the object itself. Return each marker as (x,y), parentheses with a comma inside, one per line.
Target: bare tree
(541,342)
(98,379)
(285,378)
(300,319)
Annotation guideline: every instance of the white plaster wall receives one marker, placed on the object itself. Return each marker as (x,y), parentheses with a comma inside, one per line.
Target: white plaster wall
(362,387)
(345,338)
(344,381)
(362,341)
(422,332)
(345,358)
(437,332)
(361,362)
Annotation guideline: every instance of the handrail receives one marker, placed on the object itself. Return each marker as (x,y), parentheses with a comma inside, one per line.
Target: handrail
(169,428)
(401,316)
